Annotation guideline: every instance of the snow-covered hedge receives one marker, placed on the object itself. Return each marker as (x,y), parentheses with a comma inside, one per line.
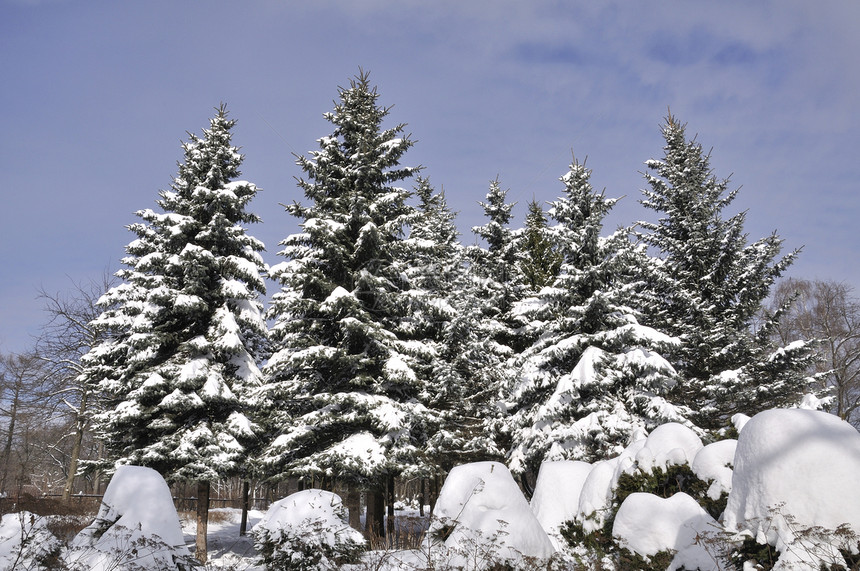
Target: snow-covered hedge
(787,487)
(307,531)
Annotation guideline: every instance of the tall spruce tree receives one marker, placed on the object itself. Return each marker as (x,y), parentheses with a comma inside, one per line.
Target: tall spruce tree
(497,280)
(539,261)
(594,378)
(436,269)
(344,397)
(186,326)
(710,287)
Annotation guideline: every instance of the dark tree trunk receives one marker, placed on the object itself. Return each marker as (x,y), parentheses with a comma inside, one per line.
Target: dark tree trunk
(203,488)
(246,493)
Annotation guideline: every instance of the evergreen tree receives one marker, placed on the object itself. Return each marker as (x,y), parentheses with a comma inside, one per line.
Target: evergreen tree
(539,260)
(710,286)
(186,326)
(344,394)
(459,395)
(594,378)
(497,282)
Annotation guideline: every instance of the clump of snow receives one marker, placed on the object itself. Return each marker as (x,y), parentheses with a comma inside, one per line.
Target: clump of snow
(481,510)
(307,530)
(136,527)
(596,495)
(556,497)
(669,444)
(795,469)
(26,542)
(647,524)
(714,463)
(740,420)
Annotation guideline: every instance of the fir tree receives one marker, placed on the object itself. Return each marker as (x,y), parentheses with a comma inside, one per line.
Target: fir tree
(594,378)
(710,286)
(186,326)
(539,260)
(344,394)
(456,372)
(497,282)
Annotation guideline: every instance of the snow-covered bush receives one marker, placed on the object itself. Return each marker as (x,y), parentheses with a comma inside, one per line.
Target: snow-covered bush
(26,542)
(659,467)
(307,531)
(658,529)
(482,518)
(795,486)
(556,496)
(137,528)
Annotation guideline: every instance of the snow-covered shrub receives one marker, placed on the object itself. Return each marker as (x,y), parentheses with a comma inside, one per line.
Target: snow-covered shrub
(795,484)
(556,496)
(137,528)
(307,531)
(659,467)
(660,529)
(26,542)
(482,518)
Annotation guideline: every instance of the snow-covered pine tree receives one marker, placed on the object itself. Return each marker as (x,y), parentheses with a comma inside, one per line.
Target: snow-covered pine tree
(343,395)
(445,319)
(710,286)
(497,280)
(539,261)
(594,378)
(186,326)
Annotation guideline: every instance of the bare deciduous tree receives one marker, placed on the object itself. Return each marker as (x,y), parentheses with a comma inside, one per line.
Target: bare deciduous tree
(66,337)
(829,312)
(24,414)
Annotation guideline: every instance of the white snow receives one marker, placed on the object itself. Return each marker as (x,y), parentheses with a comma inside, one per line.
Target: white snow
(669,444)
(25,541)
(794,469)
(556,497)
(647,524)
(713,463)
(480,504)
(137,522)
(308,523)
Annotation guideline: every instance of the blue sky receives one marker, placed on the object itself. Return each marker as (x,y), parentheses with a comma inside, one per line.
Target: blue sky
(98,95)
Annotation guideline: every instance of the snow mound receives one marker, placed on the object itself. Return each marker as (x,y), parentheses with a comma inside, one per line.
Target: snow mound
(481,510)
(136,528)
(794,469)
(26,542)
(556,497)
(596,496)
(647,524)
(307,530)
(713,463)
(669,444)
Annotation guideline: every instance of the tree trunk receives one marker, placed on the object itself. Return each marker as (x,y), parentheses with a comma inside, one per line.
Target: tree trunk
(374,525)
(246,492)
(353,504)
(203,487)
(422,498)
(80,425)
(7,448)
(389,524)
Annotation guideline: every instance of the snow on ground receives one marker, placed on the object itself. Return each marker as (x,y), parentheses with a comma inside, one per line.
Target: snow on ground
(227,549)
